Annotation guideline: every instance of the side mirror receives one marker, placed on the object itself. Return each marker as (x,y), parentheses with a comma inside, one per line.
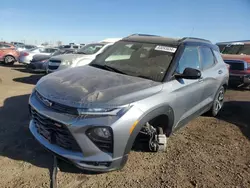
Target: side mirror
(189,73)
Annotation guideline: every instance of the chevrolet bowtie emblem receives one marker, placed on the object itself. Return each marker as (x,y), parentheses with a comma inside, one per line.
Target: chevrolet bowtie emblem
(46,102)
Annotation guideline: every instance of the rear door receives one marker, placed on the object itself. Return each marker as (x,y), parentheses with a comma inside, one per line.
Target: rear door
(211,75)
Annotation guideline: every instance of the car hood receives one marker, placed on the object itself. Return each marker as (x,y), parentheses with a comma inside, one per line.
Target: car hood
(68,57)
(40,57)
(81,86)
(236,57)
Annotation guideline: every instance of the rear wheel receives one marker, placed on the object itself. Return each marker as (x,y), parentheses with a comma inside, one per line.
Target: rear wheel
(9,60)
(218,102)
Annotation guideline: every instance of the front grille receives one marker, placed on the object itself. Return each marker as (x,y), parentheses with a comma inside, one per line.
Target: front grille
(53,67)
(54,64)
(55,132)
(236,66)
(58,107)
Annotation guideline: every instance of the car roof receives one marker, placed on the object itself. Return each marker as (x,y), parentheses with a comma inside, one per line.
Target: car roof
(234,42)
(7,43)
(155,39)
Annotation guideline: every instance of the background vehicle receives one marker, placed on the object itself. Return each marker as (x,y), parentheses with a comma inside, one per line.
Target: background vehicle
(71,46)
(8,53)
(26,56)
(237,55)
(239,72)
(81,57)
(40,61)
(236,51)
(17,43)
(25,47)
(141,85)
(222,45)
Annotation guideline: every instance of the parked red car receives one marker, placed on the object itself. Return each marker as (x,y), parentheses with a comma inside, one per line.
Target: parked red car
(237,55)
(8,53)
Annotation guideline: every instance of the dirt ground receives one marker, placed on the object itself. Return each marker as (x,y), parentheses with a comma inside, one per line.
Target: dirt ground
(209,152)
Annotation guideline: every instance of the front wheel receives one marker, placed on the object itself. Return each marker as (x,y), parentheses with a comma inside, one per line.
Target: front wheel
(218,102)
(9,60)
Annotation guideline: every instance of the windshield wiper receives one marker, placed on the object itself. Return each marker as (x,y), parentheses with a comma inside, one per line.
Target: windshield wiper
(80,53)
(106,67)
(145,77)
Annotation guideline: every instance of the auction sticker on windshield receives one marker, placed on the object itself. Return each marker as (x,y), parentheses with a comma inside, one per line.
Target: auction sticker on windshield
(165,48)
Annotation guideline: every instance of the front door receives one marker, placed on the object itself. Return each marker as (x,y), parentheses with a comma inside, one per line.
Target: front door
(188,92)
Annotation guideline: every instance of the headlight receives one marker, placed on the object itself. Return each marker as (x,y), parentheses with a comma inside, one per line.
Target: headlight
(68,63)
(104,111)
(82,62)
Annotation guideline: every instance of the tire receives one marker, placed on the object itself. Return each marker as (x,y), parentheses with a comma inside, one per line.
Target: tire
(218,102)
(9,60)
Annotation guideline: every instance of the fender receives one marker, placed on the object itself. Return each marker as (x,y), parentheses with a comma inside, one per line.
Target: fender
(162,110)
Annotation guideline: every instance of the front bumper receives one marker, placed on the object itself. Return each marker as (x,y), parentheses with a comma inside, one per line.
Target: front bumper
(239,78)
(77,158)
(91,157)
(54,68)
(37,66)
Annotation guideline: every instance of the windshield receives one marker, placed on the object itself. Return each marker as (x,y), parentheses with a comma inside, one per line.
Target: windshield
(144,60)
(58,52)
(245,49)
(90,49)
(221,46)
(33,49)
(237,49)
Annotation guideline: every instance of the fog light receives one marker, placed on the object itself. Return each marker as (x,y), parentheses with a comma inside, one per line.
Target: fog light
(103,132)
(102,137)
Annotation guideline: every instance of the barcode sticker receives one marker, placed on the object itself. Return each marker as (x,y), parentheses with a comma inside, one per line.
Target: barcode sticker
(166,49)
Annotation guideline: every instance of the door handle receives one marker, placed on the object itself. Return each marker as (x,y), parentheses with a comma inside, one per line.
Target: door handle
(220,72)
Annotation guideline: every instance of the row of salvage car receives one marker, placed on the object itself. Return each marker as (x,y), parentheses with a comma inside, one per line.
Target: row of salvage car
(64,58)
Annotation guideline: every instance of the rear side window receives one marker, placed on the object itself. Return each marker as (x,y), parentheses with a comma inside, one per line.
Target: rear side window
(189,59)
(52,50)
(42,50)
(207,57)
(4,46)
(218,56)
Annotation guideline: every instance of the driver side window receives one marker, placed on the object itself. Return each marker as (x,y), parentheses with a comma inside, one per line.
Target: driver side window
(189,58)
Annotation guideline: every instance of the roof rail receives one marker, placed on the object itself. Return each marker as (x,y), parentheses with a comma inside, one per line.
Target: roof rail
(144,35)
(195,39)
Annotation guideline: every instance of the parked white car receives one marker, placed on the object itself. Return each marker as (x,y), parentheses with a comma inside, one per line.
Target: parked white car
(27,55)
(81,57)
(25,47)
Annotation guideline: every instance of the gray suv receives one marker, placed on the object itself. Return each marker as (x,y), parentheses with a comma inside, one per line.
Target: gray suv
(142,89)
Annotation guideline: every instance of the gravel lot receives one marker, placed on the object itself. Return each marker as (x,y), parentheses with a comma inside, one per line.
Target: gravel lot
(209,152)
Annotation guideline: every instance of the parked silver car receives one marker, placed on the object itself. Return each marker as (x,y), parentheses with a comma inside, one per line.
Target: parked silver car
(81,57)
(141,86)
(26,56)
